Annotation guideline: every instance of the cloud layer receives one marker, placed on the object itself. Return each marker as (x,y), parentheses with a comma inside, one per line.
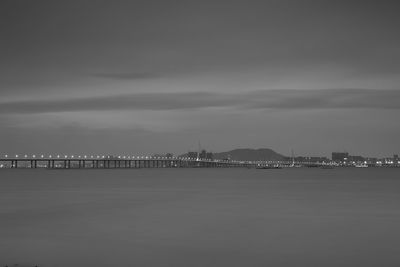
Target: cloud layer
(127,75)
(267,99)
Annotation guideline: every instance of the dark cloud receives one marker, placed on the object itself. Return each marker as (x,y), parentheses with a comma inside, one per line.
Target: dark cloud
(140,101)
(127,75)
(325,99)
(268,99)
(182,36)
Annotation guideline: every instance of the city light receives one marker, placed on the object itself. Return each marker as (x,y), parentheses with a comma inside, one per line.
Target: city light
(346,161)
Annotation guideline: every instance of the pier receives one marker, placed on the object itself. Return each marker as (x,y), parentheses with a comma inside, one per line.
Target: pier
(120,162)
(136,162)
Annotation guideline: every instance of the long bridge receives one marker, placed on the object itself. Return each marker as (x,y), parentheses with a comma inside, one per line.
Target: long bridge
(131,162)
(113,162)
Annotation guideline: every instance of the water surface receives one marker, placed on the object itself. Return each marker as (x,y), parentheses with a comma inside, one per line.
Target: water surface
(200,217)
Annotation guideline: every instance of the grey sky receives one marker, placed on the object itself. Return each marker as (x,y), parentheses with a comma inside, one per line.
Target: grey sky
(268,99)
(161,75)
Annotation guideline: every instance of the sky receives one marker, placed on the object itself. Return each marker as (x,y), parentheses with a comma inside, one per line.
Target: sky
(158,76)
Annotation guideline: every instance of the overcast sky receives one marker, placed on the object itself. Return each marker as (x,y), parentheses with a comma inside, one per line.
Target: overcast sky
(144,77)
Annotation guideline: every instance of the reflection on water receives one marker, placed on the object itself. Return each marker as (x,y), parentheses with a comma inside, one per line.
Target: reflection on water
(200,217)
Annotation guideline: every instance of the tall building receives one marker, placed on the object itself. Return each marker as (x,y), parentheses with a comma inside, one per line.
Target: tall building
(203,154)
(340,156)
(192,155)
(356,158)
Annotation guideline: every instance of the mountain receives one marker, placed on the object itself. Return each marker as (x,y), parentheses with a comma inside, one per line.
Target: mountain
(248,154)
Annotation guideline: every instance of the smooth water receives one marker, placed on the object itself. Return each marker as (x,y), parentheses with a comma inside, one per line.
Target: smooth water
(200,217)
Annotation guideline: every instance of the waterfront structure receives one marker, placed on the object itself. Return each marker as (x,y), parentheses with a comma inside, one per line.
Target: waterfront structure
(113,162)
(309,159)
(340,157)
(190,160)
(203,154)
(192,155)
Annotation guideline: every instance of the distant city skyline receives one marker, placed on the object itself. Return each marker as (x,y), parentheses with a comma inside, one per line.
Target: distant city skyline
(150,77)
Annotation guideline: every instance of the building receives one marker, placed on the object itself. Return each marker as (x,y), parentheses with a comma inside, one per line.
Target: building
(356,159)
(192,155)
(202,155)
(340,156)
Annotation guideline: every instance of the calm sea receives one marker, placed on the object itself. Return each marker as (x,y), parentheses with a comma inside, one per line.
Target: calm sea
(200,217)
